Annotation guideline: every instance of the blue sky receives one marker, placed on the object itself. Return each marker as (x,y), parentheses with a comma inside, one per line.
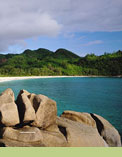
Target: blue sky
(90,26)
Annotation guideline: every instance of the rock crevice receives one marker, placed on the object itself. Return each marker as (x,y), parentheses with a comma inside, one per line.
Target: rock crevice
(99,124)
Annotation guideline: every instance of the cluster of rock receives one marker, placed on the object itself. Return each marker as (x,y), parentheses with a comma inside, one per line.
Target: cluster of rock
(31,121)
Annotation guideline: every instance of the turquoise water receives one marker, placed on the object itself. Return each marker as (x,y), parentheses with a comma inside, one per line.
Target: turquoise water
(102,96)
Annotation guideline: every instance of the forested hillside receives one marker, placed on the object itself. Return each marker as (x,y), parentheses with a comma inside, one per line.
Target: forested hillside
(62,62)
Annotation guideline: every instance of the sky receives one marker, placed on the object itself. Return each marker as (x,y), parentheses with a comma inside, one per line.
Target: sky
(81,26)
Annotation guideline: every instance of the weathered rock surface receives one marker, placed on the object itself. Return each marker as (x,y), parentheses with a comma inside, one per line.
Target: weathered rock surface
(53,139)
(25,108)
(84,118)
(105,129)
(37,124)
(14,143)
(6,98)
(8,109)
(52,128)
(46,111)
(80,135)
(32,136)
(10,92)
(25,134)
(109,133)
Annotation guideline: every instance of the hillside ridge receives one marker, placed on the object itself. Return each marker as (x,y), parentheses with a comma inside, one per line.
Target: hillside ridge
(43,62)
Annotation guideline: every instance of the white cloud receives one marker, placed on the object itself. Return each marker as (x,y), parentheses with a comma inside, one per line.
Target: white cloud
(23,19)
(18,24)
(95,42)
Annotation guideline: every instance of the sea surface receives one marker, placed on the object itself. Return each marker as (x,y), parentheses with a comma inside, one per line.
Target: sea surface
(102,96)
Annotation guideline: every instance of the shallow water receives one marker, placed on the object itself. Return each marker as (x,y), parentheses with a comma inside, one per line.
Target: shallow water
(102,96)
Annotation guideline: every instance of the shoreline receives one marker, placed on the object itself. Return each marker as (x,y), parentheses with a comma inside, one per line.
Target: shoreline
(6,79)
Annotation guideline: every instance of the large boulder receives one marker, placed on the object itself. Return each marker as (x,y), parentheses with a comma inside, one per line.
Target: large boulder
(80,135)
(82,117)
(25,134)
(10,92)
(14,143)
(32,136)
(40,126)
(108,132)
(8,109)
(105,129)
(53,139)
(46,111)
(25,108)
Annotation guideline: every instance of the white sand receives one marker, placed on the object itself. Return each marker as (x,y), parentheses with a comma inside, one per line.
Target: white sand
(4,79)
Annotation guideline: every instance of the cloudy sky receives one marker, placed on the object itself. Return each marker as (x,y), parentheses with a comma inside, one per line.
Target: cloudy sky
(82,26)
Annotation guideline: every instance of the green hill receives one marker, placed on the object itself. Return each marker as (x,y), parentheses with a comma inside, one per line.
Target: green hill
(62,53)
(62,62)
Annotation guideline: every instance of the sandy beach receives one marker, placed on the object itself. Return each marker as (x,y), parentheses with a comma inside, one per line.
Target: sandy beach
(5,79)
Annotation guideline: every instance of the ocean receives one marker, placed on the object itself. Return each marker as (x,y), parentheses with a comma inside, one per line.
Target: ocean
(102,96)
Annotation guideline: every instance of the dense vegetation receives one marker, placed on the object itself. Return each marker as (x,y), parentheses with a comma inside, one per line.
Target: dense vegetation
(61,62)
